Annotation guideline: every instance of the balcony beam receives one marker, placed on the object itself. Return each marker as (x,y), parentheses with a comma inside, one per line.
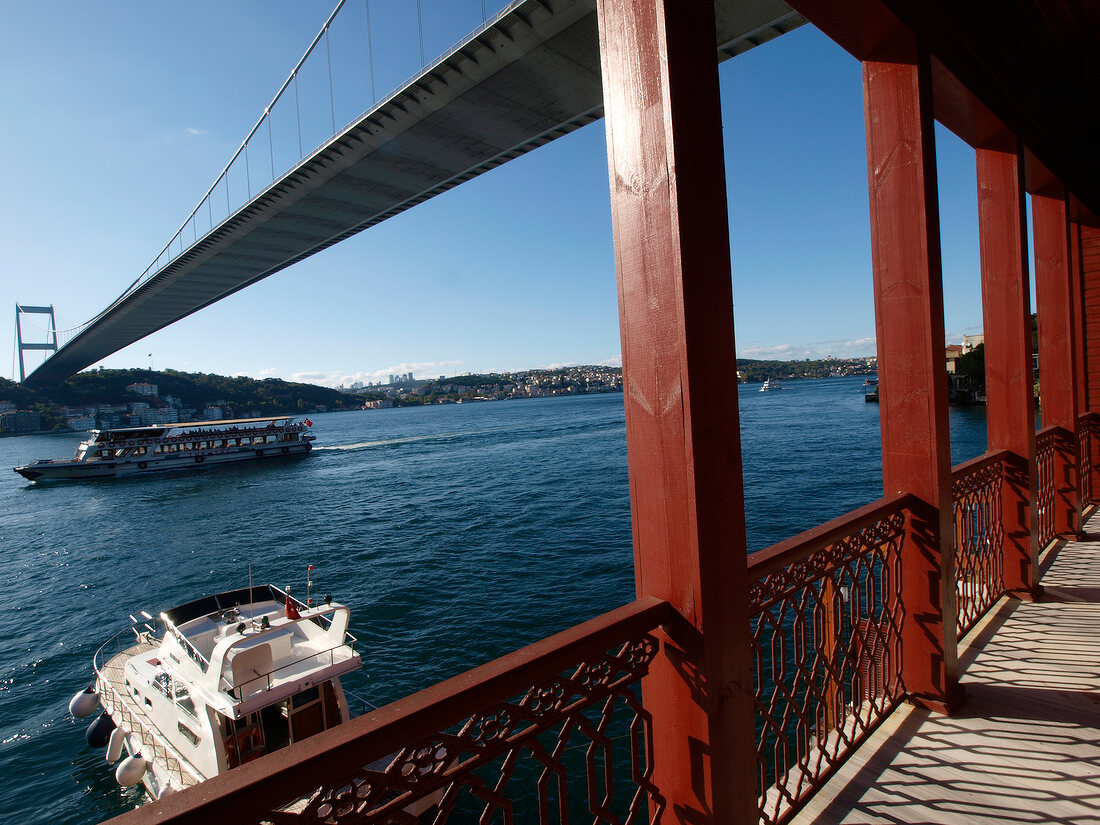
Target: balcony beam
(672,259)
(908,286)
(1006,310)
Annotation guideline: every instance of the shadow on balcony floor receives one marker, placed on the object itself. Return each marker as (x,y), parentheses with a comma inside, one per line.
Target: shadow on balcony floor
(1026,745)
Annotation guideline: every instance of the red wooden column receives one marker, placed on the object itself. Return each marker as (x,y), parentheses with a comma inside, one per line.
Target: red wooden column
(905,250)
(1006,308)
(1057,348)
(668,207)
(1077,287)
(1088,248)
(1081,379)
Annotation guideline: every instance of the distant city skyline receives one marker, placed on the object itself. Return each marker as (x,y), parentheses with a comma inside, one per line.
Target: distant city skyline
(121,119)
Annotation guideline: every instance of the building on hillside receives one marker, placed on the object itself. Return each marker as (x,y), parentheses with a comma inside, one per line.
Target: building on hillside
(972,342)
(81,423)
(143,388)
(20,422)
(954,352)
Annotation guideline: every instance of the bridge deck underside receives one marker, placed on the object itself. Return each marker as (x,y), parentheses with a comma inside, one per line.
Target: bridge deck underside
(531,77)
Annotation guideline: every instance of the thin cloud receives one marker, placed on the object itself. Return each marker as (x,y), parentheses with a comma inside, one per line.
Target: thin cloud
(191,130)
(836,348)
(419,369)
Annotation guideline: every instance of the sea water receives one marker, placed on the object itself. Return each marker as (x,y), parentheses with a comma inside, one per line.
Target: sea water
(455,533)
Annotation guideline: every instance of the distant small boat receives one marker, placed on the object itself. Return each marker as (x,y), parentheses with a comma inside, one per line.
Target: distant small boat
(872,396)
(771,384)
(870,382)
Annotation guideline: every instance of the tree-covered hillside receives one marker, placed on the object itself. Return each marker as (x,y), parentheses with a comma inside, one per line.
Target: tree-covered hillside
(268,396)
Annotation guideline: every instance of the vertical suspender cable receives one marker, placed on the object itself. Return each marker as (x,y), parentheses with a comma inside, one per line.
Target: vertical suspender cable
(420,27)
(484,15)
(370,56)
(331,96)
(298,109)
(271,144)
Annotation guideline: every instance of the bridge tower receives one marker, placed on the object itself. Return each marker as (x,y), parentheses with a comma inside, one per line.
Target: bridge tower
(49,346)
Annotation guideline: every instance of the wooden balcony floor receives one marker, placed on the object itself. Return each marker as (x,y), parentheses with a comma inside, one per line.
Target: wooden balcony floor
(1026,745)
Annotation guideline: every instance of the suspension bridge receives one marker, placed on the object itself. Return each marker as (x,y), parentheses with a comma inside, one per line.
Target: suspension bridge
(528,75)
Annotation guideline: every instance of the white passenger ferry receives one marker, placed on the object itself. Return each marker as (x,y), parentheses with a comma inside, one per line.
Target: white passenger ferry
(222,680)
(133,450)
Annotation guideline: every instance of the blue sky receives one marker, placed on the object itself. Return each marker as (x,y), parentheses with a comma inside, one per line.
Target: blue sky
(119,115)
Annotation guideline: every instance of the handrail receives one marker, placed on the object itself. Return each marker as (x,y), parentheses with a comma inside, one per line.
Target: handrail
(185,643)
(975,465)
(246,793)
(772,559)
(237,691)
(1054,432)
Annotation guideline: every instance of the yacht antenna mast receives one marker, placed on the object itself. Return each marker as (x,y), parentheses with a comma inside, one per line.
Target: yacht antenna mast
(251,617)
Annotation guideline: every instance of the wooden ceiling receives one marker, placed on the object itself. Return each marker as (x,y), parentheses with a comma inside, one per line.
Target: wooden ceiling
(1002,69)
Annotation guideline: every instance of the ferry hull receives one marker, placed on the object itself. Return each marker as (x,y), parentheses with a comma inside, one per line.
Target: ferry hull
(78,470)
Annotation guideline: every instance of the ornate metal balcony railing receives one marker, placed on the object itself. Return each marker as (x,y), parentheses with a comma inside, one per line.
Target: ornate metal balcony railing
(1046,449)
(1087,426)
(976,495)
(554,732)
(826,617)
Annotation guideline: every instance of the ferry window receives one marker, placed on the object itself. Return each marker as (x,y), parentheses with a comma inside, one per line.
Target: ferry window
(223,443)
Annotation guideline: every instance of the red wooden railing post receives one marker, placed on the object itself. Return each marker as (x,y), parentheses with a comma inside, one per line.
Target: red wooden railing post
(668,209)
(905,250)
(1057,348)
(1006,309)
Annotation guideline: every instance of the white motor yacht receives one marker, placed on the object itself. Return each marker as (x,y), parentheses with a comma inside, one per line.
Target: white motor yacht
(215,683)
